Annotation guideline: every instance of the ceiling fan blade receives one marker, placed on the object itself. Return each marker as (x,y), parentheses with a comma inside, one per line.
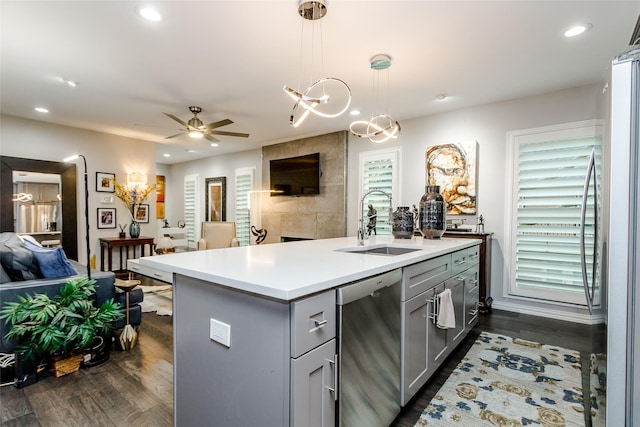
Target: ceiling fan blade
(176,119)
(173,136)
(218,124)
(210,138)
(221,132)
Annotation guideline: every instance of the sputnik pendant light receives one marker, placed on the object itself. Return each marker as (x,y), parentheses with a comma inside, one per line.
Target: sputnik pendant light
(316,98)
(381,127)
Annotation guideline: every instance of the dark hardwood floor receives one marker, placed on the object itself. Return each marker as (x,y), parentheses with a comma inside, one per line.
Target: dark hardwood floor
(135,387)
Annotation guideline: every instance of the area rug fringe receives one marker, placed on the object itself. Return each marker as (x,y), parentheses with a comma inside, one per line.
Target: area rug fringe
(504,381)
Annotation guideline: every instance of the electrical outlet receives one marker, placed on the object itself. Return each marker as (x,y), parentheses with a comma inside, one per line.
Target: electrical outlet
(220,332)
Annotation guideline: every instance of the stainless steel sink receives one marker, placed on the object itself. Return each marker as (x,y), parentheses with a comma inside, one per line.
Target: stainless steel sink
(379,250)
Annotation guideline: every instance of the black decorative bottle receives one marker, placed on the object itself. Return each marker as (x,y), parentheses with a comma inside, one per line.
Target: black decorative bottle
(433,211)
(402,226)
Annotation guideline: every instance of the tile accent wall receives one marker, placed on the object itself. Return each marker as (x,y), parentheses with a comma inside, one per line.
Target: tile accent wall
(308,217)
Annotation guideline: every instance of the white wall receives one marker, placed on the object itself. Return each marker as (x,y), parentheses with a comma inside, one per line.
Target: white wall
(104,153)
(487,124)
(212,167)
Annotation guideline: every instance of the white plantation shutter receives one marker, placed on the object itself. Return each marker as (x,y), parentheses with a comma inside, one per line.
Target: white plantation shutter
(245,178)
(191,210)
(379,170)
(550,168)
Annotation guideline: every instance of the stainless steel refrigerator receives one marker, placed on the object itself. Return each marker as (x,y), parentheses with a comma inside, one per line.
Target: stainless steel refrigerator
(621,257)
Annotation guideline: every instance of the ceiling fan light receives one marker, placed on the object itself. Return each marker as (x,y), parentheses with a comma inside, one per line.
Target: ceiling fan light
(196,134)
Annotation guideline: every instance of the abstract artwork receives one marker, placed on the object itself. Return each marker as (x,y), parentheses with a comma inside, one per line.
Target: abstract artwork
(453,167)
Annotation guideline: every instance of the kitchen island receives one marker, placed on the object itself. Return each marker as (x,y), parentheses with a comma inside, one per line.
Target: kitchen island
(255,329)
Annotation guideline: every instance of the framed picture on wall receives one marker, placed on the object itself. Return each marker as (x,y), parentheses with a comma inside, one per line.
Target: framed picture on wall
(216,198)
(104,182)
(142,213)
(106,218)
(453,167)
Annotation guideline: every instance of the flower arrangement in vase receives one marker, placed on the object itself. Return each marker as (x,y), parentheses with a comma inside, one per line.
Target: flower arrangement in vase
(132,196)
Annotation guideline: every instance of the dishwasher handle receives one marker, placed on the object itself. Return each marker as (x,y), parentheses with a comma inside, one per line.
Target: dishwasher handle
(367,287)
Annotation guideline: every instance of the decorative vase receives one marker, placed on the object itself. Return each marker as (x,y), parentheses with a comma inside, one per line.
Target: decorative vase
(402,226)
(433,210)
(134,229)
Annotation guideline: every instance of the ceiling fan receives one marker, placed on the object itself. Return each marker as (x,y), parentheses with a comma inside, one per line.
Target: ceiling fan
(196,129)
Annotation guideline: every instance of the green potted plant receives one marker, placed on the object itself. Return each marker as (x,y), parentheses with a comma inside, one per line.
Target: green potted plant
(60,328)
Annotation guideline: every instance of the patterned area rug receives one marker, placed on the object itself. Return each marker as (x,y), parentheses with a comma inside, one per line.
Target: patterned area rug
(504,381)
(158,299)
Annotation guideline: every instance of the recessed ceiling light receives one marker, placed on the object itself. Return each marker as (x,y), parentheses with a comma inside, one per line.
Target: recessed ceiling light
(354,112)
(71,83)
(150,14)
(41,110)
(441,97)
(166,155)
(214,144)
(190,151)
(576,30)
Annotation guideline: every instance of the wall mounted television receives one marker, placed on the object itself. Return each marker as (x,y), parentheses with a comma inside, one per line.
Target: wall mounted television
(295,176)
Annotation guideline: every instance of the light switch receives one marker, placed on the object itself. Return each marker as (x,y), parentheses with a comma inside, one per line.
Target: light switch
(220,332)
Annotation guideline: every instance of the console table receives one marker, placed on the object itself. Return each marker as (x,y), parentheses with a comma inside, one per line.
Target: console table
(109,243)
(484,306)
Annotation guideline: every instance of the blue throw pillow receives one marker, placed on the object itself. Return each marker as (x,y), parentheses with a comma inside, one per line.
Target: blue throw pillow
(53,262)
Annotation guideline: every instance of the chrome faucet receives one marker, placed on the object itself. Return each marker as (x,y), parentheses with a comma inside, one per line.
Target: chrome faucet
(361,231)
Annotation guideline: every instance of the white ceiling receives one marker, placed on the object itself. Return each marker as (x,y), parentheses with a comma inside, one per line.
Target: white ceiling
(232,58)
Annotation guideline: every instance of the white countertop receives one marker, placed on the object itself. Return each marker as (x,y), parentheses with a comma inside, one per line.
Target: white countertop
(287,271)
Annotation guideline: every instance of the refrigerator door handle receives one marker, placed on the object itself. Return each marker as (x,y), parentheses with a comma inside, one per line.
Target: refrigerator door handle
(589,293)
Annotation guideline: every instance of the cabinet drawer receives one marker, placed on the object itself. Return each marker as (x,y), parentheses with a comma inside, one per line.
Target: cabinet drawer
(459,261)
(420,277)
(163,276)
(472,276)
(471,309)
(313,322)
(473,254)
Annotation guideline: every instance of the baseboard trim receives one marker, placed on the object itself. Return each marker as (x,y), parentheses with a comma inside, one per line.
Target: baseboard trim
(549,313)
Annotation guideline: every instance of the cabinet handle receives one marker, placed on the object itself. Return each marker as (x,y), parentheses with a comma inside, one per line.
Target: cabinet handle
(320,323)
(436,308)
(460,278)
(334,390)
(473,312)
(460,261)
(474,256)
(157,274)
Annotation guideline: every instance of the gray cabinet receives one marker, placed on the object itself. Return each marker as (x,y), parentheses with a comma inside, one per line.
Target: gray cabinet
(313,379)
(278,370)
(424,345)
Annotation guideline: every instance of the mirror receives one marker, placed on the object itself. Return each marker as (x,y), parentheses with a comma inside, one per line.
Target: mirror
(37,206)
(68,203)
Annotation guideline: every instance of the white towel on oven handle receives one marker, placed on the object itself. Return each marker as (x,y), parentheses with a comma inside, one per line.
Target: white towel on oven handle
(446,315)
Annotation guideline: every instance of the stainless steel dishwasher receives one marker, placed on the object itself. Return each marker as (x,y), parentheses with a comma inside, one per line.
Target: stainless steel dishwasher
(369,351)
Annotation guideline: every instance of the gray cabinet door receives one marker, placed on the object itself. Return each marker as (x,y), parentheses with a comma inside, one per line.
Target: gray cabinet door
(415,357)
(312,388)
(456,284)
(471,297)
(436,337)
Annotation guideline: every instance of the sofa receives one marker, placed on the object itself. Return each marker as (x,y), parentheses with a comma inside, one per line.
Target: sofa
(25,269)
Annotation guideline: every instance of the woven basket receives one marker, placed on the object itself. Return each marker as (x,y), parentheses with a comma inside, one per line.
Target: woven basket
(65,365)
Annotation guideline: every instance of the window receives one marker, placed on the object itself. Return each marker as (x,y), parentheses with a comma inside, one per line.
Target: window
(548,171)
(191,210)
(379,170)
(245,182)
